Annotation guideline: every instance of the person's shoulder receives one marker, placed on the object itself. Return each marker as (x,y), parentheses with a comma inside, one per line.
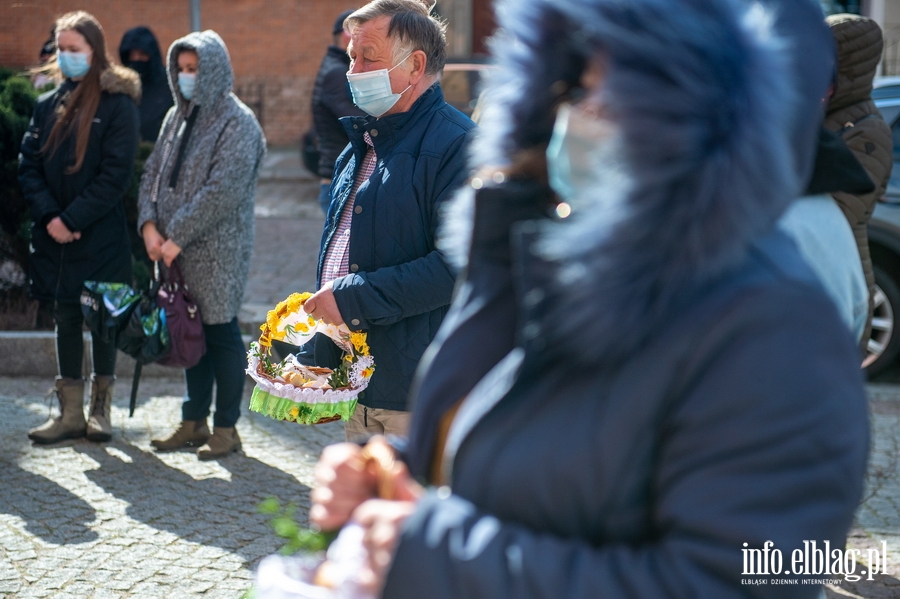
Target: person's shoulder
(242,114)
(121,82)
(447,125)
(47,98)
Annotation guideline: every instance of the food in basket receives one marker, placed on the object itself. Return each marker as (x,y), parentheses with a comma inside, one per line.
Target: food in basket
(302,393)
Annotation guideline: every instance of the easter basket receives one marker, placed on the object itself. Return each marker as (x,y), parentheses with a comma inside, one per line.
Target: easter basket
(289,390)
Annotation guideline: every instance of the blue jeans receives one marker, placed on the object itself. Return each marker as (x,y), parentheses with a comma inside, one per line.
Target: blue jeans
(325,197)
(224,363)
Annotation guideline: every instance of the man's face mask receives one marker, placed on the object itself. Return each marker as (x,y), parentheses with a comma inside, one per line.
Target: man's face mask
(74,64)
(372,90)
(584,157)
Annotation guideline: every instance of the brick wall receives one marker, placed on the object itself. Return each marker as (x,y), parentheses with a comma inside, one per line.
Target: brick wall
(275,45)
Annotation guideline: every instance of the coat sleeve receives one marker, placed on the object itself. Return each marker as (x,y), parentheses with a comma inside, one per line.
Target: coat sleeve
(118,148)
(390,294)
(760,447)
(235,162)
(146,207)
(42,204)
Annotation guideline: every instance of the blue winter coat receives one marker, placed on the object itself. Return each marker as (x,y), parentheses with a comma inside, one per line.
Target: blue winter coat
(399,286)
(646,389)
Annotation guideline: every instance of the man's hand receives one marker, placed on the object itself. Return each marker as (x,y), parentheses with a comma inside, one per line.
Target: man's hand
(322,306)
(153,241)
(60,232)
(169,251)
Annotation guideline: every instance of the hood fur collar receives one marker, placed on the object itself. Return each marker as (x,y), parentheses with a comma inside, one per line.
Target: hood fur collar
(700,92)
(121,80)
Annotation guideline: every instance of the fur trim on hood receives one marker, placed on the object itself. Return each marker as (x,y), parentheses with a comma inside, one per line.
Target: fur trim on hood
(701,94)
(859,44)
(215,77)
(121,80)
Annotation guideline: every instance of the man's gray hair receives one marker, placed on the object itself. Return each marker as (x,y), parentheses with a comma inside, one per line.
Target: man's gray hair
(412,28)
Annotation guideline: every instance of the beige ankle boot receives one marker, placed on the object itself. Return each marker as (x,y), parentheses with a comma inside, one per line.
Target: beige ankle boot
(70,422)
(99,427)
(190,433)
(223,442)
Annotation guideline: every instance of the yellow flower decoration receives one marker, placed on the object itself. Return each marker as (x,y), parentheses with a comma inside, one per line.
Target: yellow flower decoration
(358,340)
(294,412)
(367,372)
(273,318)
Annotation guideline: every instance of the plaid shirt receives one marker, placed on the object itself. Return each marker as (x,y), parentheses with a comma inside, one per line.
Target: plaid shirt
(337,254)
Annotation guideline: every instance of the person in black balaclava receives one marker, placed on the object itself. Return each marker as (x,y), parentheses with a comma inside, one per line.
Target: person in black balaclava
(139,50)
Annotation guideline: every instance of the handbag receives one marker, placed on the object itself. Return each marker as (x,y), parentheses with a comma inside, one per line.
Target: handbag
(115,311)
(181,315)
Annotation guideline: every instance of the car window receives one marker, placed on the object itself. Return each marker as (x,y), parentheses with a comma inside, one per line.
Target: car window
(888,91)
(890,113)
(893,189)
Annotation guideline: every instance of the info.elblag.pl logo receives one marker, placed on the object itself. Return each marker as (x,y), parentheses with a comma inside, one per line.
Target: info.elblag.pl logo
(813,560)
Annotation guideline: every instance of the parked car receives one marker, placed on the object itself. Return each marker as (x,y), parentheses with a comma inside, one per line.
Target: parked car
(884,243)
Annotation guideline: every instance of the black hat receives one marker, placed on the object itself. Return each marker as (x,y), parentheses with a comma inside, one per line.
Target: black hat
(339,23)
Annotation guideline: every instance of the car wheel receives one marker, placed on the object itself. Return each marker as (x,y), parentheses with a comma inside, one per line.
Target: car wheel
(884,341)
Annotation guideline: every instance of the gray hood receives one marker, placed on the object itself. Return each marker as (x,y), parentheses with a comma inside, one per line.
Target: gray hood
(215,78)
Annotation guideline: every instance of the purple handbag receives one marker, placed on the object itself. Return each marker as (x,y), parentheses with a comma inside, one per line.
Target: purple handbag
(182,315)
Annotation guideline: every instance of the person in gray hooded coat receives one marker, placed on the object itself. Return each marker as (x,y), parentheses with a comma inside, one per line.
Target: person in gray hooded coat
(196,206)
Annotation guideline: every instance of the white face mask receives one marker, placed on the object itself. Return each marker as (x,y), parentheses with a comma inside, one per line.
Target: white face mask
(584,157)
(372,90)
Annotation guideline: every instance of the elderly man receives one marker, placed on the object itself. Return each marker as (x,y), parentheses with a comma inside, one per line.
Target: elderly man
(379,270)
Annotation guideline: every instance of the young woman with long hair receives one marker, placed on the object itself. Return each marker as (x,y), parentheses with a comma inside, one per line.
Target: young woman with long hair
(76,164)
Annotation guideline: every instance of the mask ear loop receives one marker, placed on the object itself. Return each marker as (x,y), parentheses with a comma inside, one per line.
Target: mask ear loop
(397,65)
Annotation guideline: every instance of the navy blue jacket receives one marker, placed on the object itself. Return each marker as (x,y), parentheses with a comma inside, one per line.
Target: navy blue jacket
(399,286)
(656,382)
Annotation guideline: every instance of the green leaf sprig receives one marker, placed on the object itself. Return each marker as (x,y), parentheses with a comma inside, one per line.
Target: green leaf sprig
(284,523)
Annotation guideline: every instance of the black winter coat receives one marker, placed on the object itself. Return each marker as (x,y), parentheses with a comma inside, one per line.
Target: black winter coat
(156,97)
(331,100)
(88,201)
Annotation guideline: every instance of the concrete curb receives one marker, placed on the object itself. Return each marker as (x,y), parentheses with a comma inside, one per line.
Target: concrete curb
(33,353)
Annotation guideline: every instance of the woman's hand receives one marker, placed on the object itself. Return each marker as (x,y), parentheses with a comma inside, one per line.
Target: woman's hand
(60,232)
(347,476)
(153,241)
(342,483)
(169,251)
(383,522)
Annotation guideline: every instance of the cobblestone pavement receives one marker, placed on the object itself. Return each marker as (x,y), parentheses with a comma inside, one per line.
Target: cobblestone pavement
(81,519)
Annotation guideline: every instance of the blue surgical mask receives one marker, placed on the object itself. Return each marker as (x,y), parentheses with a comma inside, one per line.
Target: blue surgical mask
(186,83)
(74,64)
(584,158)
(372,90)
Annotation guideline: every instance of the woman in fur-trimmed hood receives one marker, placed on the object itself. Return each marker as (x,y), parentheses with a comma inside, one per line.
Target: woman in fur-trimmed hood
(196,207)
(639,378)
(76,163)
